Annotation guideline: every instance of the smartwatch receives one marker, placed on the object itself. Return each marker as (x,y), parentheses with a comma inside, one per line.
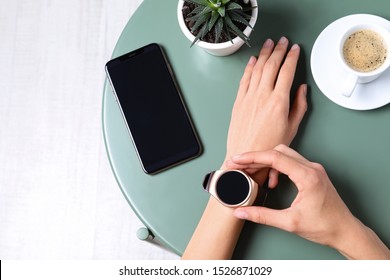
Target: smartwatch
(232,188)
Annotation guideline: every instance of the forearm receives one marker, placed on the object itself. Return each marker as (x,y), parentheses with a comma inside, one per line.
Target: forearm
(361,243)
(216,234)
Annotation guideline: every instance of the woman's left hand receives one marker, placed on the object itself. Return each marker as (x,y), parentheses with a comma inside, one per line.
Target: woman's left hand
(261,116)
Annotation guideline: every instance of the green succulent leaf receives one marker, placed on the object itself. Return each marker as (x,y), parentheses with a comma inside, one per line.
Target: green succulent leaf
(204,30)
(243,14)
(221,11)
(199,35)
(206,10)
(193,18)
(224,2)
(239,18)
(213,20)
(227,32)
(197,10)
(247,9)
(218,29)
(202,19)
(215,3)
(198,2)
(233,6)
(229,23)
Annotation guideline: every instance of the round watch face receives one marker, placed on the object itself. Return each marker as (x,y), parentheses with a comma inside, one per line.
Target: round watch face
(232,188)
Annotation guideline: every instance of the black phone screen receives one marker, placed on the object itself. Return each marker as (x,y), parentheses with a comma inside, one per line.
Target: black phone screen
(157,119)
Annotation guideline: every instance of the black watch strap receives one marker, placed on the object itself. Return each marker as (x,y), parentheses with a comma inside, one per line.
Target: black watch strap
(206,181)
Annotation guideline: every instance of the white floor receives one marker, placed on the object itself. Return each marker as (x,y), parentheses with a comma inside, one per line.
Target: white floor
(58,196)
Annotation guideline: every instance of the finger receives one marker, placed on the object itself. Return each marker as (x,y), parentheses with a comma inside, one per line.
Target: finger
(287,71)
(247,159)
(295,168)
(251,171)
(233,165)
(263,215)
(298,109)
(290,152)
(272,66)
(273,178)
(246,77)
(256,171)
(250,167)
(258,175)
(257,73)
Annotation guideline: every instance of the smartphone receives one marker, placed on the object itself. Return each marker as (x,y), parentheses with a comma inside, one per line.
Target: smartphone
(153,108)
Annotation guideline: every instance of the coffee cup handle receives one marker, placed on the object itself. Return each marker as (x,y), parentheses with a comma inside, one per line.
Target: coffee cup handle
(349,85)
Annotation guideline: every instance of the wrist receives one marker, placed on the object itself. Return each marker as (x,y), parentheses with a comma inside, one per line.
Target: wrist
(360,242)
(216,235)
(344,240)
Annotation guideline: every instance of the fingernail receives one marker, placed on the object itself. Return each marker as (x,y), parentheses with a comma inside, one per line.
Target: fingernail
(268,43)
(241,214)
(235,157)
(270,181)
(304,89)
(252,60)
(295,47)
(283,40)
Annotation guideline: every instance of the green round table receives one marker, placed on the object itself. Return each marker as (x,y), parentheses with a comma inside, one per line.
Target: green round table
(354,146)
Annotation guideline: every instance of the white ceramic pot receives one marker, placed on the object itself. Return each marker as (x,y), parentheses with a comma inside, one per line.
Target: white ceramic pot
(219,49)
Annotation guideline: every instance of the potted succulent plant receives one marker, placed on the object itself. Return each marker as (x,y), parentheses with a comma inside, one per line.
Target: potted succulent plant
(221,27)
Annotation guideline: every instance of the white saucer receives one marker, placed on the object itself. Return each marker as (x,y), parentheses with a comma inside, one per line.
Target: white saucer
(328,75)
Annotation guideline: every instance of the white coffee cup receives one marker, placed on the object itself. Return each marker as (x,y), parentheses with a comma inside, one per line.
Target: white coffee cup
(354,76)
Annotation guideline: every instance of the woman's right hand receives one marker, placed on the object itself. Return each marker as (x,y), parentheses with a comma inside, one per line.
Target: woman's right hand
(317,213)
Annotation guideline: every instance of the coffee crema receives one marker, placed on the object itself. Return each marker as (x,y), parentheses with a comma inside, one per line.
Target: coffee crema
(365,50)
